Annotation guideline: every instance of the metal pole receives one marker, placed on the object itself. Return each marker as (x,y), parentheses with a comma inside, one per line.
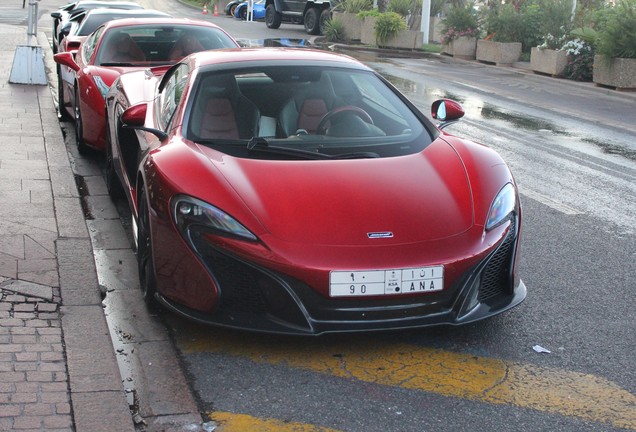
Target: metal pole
(426,19)
(32,27)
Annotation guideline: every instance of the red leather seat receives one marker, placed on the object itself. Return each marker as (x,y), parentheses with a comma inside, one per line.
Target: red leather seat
(302,112)
(121,48)
(223,112)
(185,45)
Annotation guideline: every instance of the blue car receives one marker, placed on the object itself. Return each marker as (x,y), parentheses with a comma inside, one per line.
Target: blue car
(258,14)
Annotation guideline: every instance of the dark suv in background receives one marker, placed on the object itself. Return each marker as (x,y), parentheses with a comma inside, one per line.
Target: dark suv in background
(312,13)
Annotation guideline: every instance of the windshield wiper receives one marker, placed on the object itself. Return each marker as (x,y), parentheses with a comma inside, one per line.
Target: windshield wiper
(261,144)
(356,155)
(117,64)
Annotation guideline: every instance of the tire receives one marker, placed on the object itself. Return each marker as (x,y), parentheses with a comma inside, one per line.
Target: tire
(113,185)
(61,109)
(325,16)
(79,127)
(312,21)
(232,10)
(272,17)
(243,13)
(145,262)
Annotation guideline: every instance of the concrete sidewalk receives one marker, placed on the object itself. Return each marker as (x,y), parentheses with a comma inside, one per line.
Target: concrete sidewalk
(58,369)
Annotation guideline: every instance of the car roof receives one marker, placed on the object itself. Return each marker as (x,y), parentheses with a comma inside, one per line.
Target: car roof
(275,56)
(85,3)
(126,22)
(96,17)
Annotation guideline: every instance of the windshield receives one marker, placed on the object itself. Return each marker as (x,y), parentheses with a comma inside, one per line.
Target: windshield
(157,44)
(332,111)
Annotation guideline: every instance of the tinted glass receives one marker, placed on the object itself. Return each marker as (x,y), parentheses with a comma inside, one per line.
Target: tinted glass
(318,109)
(157,44)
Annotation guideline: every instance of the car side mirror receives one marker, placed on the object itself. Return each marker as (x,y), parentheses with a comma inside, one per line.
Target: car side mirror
(135,118)
(66,59)
(447,111)
(56,15)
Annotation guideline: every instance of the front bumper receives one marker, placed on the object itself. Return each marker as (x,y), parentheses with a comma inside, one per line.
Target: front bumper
(255,298)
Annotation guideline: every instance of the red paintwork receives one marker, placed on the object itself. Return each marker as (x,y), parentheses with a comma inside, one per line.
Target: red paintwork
(83,78)
(312,218)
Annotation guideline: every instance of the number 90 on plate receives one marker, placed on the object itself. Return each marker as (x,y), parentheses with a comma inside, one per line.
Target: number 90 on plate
(386,282)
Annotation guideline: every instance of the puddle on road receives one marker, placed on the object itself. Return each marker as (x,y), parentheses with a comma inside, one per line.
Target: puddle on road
(277,42)
(613,149)
(476,108)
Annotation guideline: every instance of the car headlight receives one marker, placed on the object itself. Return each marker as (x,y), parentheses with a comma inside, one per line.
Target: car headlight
(502,206)
(101,85)
(188,211)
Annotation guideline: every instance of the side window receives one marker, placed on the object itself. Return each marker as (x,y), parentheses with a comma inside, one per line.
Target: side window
(90,43)
(171,95)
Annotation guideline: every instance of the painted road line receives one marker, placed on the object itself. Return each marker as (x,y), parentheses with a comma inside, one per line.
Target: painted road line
(442,372)
(230,422)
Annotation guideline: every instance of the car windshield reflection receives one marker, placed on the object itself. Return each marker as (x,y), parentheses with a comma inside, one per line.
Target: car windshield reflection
(330,111)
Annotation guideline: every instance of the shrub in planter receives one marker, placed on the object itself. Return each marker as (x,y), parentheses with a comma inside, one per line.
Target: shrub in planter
(580,60)
(353,6)
(334,30)
(459,21)
(510,23)
(400,7)
(616,30)
(388,25)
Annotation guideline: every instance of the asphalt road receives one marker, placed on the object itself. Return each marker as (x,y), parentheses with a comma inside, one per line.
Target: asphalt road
(571,149)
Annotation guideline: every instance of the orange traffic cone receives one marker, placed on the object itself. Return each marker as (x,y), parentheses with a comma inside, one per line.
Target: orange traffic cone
(205,9)
(216,10)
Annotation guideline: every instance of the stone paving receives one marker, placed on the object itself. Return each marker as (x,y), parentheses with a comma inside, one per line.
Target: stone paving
(34,391)
(58,370)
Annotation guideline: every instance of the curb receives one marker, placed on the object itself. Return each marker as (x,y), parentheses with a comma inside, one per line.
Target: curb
(96,391)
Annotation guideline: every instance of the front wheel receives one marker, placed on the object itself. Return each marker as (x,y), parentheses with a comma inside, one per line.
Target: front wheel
(113,185)
(272,17)
(325,16)
(243,14)
(82,148)
(312,21)
(145,262)
(61,109)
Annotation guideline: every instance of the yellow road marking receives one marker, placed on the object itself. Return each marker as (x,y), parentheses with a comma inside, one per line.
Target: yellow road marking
(433,370)
(229,422)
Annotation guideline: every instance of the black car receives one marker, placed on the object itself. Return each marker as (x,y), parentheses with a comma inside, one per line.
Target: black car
(76,11)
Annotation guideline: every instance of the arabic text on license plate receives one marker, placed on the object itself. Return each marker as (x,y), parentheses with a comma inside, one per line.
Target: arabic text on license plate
(385,282)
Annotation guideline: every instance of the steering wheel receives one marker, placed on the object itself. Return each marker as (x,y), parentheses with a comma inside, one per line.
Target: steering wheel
(321,128)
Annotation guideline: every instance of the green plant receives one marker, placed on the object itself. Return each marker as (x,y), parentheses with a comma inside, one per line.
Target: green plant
(580,60)
(387,25)
(515,22)
(334,30)
(369,13)
(459,21)
(400,7)
(353,6)
(616,30)
(503,23)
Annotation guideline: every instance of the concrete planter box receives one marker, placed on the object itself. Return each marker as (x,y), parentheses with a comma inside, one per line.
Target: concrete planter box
(408,39)
(548,61)
(367,34)
(619,73)
(352,24)
(499,53)
(463,47)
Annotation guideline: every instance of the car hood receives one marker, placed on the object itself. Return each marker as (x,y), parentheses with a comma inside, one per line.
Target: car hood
(407,199)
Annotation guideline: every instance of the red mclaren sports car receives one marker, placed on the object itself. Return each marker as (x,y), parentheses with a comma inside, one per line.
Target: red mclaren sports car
(120,46)
(297,191)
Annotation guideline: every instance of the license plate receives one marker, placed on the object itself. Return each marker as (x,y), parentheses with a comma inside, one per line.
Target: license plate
(386,282)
